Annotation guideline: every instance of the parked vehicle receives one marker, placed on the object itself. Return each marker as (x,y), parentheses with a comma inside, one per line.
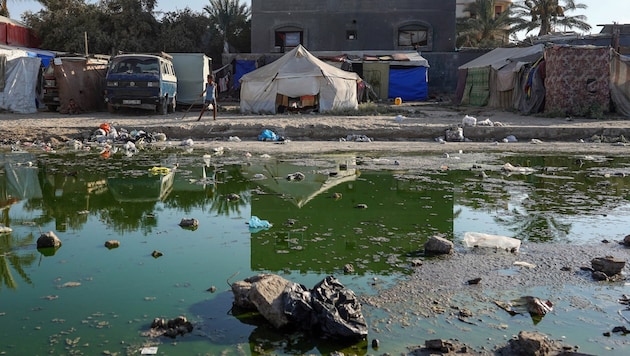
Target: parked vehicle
(144,81)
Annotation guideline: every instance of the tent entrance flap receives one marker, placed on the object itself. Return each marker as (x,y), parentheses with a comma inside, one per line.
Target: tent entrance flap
(297,104)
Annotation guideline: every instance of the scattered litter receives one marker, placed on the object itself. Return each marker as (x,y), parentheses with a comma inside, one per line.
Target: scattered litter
(160,170)
(478,239)
(259,176)
(510,138)
(510,168)
(187,142)
(535,141)
(5,229)
(469,121)
(524,264)
(399,118)
(297,176)
(356,138)
(267,135)
(264,155)
(455,134)
(151,350)
(234,139)
(257,223)
(485,122)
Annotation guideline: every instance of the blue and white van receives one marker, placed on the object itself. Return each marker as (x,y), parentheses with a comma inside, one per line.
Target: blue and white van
(144,81)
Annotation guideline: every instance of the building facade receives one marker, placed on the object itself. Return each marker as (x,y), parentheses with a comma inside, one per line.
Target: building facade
(352,25)
(499,7)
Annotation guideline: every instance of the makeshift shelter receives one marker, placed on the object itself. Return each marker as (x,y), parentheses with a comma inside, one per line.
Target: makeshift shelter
(620,83)
(300,75)
(399,75)
(81,79)
(494,79)
(19,70)
(577,80)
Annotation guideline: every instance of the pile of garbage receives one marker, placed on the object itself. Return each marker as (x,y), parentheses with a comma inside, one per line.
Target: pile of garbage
(329,309)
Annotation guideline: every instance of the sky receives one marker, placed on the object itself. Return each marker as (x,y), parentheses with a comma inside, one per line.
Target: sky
(598,11)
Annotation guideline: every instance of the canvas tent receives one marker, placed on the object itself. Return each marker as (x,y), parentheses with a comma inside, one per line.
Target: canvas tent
(298,73)
(495,78)
(19,70)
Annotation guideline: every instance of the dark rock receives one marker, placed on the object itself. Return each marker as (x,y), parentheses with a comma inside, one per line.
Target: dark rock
(233,197)
(375,343)
(626,240)
(156,254)
(474,280)
(110,244)
(48,239)
(599,276)
(171,328)
(189,222)
(533,343)
(609,265)
(438,245)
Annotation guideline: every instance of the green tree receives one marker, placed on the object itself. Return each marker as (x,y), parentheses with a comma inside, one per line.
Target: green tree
(231,19)
(132,25)
(62,24)
(186,31)
(547,16)
(4,10)
(483,28)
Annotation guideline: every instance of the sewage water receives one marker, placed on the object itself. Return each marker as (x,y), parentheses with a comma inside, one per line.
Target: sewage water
(86,299)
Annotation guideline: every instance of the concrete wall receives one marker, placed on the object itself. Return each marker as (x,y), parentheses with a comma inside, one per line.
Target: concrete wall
(325,23)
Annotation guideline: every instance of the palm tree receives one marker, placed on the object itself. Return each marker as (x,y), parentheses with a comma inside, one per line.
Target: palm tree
(547,15)
(229,17)
(483,28)
(4,11)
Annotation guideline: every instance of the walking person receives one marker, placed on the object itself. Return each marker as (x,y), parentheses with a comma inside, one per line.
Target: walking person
(211,97)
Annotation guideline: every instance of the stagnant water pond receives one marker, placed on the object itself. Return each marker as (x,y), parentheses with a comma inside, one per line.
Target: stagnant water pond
(86,299)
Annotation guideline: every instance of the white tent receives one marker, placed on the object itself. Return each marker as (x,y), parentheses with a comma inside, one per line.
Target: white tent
(298,73)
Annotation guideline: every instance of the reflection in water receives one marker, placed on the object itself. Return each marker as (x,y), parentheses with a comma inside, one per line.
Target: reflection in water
(318,228)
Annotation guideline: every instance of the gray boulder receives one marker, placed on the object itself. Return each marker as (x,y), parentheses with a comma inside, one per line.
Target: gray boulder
(608,265)
(437,245)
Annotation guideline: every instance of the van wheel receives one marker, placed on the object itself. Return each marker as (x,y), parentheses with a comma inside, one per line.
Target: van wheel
(162,107)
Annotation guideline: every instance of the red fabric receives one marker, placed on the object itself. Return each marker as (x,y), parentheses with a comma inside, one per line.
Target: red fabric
(577,80)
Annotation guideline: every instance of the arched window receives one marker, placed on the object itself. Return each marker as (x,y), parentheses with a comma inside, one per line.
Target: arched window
(414,35)
(288,37)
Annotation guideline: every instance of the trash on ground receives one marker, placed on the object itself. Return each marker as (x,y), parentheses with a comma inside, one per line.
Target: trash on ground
(268,135)
(356,138)
(508,167)
(469,121)
(455,134)
(256,223)
(479,239)
(536,307)
(510,138)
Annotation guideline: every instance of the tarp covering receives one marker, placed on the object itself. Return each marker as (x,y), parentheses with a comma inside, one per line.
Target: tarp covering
(409,84)
(503,67)
(500,57)
(577,81)
(19,94)
(81,79)
(620,83)
(477,89)
(531,96)
(243,67)
(298,73)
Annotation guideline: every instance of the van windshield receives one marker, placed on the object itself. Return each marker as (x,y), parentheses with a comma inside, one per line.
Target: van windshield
(136,65)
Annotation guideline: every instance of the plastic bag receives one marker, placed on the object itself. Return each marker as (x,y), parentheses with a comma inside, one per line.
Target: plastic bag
(478,239)
(256,223)
(267,135)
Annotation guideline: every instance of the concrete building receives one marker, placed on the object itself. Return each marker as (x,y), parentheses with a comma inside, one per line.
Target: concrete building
(351,25)
(499,7)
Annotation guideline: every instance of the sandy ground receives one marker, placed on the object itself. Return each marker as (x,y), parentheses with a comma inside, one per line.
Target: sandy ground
(412,128)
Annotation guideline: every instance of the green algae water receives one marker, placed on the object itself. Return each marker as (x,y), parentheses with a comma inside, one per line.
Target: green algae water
(86,299)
